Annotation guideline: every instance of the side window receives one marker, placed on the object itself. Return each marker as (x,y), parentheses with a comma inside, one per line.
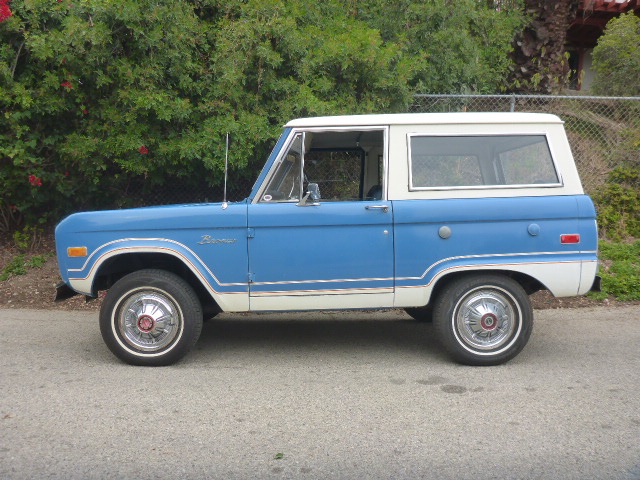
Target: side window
(444,162)
(345,165)
(284,185)
(480,161)
(527,161)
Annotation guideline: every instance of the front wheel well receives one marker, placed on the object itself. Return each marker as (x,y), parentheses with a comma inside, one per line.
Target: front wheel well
(117,267)
(528,283)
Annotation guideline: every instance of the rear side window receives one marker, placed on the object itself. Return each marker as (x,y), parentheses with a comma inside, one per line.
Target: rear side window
(480,161)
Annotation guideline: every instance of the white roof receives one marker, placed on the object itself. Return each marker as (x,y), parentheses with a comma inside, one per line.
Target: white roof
(425,118)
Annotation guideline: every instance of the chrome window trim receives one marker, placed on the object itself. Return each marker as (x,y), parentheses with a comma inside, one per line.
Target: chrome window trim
(276,163)
(413,188)
(301,180)
(385,163)
(303,130)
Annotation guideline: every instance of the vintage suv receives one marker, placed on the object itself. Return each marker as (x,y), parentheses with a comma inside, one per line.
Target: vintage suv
(455,217)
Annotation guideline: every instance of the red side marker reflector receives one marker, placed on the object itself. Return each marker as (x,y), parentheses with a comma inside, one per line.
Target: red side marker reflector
(565,239)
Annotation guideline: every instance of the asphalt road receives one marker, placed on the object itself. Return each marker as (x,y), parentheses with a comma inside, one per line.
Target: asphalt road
(349,395)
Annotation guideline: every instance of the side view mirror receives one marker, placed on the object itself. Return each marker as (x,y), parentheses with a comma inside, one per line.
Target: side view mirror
(314,192)
(312,197)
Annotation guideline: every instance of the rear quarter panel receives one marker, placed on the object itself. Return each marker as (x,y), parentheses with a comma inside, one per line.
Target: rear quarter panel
(519,234)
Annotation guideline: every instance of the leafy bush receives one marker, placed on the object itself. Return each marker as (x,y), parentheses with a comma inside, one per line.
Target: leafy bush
(618,204)
(616,58)
(37,261)
(19,265)
(620,272)
(28,238)
(98,96)
(15,267)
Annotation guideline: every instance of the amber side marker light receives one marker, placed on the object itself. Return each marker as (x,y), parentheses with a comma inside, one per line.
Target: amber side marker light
(77,251)
(569,239)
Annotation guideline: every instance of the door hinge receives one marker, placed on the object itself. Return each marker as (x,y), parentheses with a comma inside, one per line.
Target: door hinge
(251,232)
(251,277)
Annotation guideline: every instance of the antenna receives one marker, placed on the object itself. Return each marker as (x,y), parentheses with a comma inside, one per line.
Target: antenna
(225,204)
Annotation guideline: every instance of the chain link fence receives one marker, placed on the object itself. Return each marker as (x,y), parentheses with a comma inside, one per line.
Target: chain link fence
(178,191)
(199,189)
(604,132)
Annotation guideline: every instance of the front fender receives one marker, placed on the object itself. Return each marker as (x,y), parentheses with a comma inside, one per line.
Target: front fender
(83,279)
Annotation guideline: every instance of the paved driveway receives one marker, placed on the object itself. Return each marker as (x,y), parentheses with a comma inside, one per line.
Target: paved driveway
(355,395)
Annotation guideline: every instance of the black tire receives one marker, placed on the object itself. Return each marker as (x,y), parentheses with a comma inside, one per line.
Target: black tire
(150,318)
(483,319)
(421,314)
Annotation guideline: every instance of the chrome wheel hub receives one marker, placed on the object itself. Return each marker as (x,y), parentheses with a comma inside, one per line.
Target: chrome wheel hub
(489,322)
(486,318)
(146,323)
(149,320)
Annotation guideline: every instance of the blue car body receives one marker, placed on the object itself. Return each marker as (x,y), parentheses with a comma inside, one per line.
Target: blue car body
(280,249)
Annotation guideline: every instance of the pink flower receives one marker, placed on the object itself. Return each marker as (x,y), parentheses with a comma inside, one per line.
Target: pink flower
(68,85)
(85,112)
(144,150)
(35,181)
(5,11)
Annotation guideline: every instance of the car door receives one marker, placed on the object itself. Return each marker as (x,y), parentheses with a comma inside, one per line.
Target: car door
(310,252)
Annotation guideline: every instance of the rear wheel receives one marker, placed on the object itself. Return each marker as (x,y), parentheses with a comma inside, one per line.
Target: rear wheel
(483,319)
(150,317)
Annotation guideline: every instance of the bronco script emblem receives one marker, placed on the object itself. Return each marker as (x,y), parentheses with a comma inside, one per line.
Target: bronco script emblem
(207,240)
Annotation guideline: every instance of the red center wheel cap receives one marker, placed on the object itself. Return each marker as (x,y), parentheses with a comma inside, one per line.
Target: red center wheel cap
(489,321)
(146,323)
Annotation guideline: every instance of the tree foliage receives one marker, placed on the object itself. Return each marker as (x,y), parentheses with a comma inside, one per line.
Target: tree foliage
(96,94)
(540,56)
(616,58)
(459,47)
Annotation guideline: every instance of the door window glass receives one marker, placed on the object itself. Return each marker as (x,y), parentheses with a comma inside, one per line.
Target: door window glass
(338,173)
(345,166)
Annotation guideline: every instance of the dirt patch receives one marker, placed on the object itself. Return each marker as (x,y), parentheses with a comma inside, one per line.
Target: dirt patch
(36,288)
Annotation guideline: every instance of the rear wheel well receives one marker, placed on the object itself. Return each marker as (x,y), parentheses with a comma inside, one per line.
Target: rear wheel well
(117,267)
(528,283)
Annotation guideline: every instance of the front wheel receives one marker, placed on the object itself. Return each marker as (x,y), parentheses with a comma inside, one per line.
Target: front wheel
(483,319)
(150,317)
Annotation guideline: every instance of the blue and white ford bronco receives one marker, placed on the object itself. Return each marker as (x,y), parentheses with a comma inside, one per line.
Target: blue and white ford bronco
(455,217)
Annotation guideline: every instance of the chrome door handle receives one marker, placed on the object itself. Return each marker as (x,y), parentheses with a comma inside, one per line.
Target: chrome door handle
(384,208)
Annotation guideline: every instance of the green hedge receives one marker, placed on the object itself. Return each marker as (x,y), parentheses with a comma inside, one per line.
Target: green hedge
(98,95)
